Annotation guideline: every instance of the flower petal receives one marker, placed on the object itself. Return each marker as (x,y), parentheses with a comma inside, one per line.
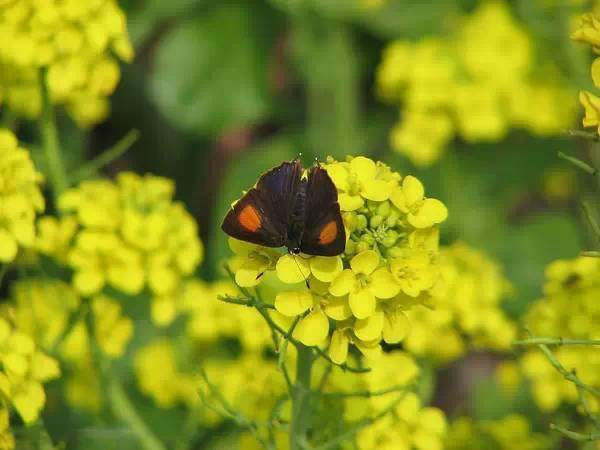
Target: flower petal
(364,168)
(343,283)
(395,326)
(376,190)
(293,303)
(596,72)
(383,284)
(370,350)
(338,348)
(413,190)
(430,213)
(313,329)
(362,303)
(326,268)
(338,173)
(338,308)
(365,262)
(350,202)
(370,328)
(291,269)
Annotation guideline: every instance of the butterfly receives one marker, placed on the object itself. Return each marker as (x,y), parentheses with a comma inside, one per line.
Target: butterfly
(288,209)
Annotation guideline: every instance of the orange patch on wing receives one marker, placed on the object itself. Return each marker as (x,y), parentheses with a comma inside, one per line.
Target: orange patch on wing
(249,218)
(328,233)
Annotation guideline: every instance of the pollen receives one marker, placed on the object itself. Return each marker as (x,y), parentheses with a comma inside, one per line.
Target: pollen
(249,218)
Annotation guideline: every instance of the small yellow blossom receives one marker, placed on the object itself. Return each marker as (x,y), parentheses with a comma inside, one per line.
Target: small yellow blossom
(591,104)
(24,369)
(588,30)
(421,212)
(20,197)
(364,282)
(7,440)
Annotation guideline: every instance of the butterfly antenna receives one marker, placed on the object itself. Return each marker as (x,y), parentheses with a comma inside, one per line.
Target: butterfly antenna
(300,270)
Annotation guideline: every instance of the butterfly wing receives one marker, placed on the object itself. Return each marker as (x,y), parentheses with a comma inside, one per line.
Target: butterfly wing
(324,233)
(262,215)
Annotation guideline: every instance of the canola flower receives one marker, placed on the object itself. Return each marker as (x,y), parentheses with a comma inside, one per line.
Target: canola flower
(476,83)
(74,43)
(588,32)
(48,311)
(20,197)
(467,308)
(468,434)
(128,234)
(24,369)
(568,309)
(389,264)
(7,440)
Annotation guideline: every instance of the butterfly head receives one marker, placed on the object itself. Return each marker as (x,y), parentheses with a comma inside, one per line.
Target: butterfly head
(295,250)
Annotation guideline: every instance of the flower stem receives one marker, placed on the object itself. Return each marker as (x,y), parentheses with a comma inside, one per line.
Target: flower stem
(50,141)
(124,411)
(301,399)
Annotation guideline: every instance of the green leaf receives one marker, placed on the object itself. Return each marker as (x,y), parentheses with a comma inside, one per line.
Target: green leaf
(210,72)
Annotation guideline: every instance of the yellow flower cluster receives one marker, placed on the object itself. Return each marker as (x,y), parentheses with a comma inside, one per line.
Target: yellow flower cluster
(24,368)
(20,197)
(43,310)
(475,83)
(73,41)
(467,434)
(7,440)
(588,32)
(209,319)
(409,425)
(569,309)
(467,309)
(127,234)
(159,375)
(389,264)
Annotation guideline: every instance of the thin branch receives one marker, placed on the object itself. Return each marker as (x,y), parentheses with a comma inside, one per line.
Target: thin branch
(262,309)
(587,210)
(578,163)
(106,157)
(250,302)
(357,427)
(556,341)
(586,407)
(579,437)
(366,393)
(590,253)
(583,134)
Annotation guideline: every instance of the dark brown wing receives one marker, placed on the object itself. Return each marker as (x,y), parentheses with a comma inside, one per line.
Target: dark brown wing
(262,215)
(324,232)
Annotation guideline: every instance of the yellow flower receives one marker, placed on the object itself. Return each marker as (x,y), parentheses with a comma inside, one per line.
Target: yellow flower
(364,283)
(20,197)
(414,273)
(76,43)
(112,330)
(591,104)
(466,433)
(588,30)
(421,212)
(7,440)
(129,234)
(359,180)
(251,262)
(159,377)
(24,369)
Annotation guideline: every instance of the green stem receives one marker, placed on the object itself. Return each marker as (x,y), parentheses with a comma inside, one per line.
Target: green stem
(579,437)
(301,399)
(50,141)
(124,411)
(556,341)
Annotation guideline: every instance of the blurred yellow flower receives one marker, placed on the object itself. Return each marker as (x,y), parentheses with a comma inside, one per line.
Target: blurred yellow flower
(76,43)
(20,197)
(24,369)
(476,83)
